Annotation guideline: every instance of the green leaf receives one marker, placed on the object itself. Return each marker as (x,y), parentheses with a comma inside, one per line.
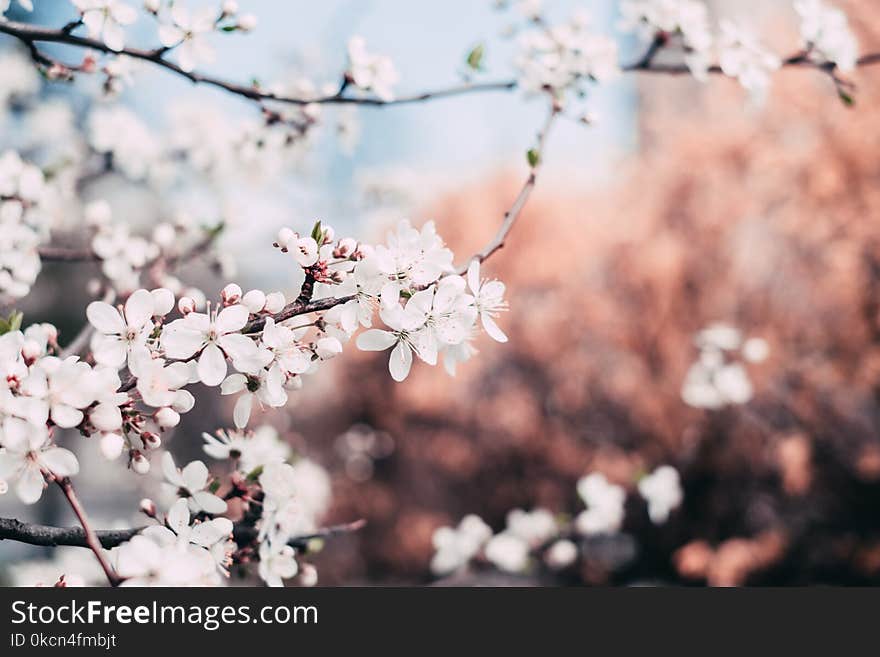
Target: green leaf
(475,57)
(846,98)
(214,486)
(229,28)
(11,323)
(318,232)
(533,157)
(254,474)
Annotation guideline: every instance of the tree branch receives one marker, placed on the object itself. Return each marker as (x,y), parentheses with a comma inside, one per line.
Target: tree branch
(91,538)
(44,535)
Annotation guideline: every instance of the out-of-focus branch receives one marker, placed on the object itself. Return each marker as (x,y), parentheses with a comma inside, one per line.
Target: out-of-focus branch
(64,254)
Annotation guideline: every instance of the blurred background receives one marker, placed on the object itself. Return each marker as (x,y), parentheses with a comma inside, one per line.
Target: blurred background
(684,205)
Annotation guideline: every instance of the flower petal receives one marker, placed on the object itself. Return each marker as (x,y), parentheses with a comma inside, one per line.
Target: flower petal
(212,366)
(105,317)
(139,309)
(375,340)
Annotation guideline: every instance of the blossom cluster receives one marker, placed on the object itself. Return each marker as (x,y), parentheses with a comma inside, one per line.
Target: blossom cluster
(566,58)
(536,536)
(719,376)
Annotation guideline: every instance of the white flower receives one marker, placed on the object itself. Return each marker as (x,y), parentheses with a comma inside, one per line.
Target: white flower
(213,535)
(27,452)
(277,563)
(188,33)
(191,483)
(826,34)
(216,336)
(105,19)
(159,383)
(405,337)
(455,547)
(685,23)
(121,335)
(755,350)
(604,500)
(371,72)
(249,451)
(742,56)
(508,552)
(295,497)
(64,387)
(561,554)
(488,299)
(662,491)
(266,388)
(712,382)
(143,561)
(534,527)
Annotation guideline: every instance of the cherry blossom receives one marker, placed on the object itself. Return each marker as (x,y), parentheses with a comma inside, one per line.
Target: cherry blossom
(604,500)
(191,484)
(662,490)
(826,34)
(742,56)
(27,453)
(455,547)
(105,19)
(188,33)
(369,71)
(120,334)
(488,300)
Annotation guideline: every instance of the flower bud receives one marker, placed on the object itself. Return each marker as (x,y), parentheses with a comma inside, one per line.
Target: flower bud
(51,332)
(140,463)
(150,440)
(328,235)
(167,418)
(345,248)
(247,22)
(153,6)
(285,237)
(186,305)
(229,7)
(308,575)
(147,507)
(254,301)
(306,251)
(111,446)
(107,418)
(163,301)
(31,350)
(197,295)
(275,302)
(231,294)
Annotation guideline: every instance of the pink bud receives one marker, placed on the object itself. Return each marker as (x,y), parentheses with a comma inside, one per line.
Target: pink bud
(186,305)
(247,22)
(254,301)
(140,463)
(111,446)
(231,294)
(167,418)
(275,302)
(150,440)
(285,237)
(148,507)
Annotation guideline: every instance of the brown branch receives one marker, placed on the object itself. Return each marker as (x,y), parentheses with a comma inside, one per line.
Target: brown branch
(29,34)
(91,538)
(47,536)
(65,254)
(536,158)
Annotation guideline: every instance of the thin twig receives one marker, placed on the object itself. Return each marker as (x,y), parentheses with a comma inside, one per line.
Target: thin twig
(91,538)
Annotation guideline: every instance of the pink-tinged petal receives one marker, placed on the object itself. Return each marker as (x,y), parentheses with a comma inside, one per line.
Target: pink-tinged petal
(114,35)
(139,309)
(169,35)
(241,414)
(66,416)
(177,517)
(375,340)
(105,317)
(29,486)
(108,350)
(170,471)
(492,328)
(473,276)
(180,341)
(400,362)
(94,22)
(234,383)
(209,503)
(231,319)
(212,366)
(60,461)
(195,476)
